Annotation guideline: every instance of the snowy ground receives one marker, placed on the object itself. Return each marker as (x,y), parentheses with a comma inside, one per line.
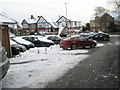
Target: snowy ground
(37,67)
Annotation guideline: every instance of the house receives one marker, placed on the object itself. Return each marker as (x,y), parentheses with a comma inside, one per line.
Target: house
(29,25)
(68,23)
(38,25)
(102,21)
(45,25)
(5,24)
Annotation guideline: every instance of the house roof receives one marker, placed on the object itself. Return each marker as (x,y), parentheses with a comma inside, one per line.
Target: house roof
(49,20)
(111,13)
(6,20)
(30,21)
(68,19)
(61,18)
(73,19)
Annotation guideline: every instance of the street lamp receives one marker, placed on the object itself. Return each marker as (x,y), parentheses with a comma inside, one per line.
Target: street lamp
(66,9)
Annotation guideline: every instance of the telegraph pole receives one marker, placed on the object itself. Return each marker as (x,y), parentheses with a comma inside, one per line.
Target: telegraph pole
(66,8)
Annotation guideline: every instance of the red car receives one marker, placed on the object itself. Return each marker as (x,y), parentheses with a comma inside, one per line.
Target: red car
(77,42)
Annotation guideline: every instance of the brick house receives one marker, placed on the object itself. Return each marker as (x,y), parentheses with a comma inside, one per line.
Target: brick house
(101,22)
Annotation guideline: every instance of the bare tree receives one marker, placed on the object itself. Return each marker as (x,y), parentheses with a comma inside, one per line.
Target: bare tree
(99,10)
(116,5)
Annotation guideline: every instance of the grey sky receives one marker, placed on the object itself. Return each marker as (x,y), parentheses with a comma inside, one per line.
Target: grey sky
(21,9)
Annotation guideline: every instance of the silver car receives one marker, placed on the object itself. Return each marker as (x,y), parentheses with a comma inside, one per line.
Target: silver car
(4,62)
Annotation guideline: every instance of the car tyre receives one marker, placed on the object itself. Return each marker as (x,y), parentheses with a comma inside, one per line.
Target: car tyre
(65,48)
(93,45)
(73,46)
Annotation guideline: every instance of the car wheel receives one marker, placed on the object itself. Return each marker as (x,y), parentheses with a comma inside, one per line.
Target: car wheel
(83,47)
(93,45)
(73,46)
(65,48)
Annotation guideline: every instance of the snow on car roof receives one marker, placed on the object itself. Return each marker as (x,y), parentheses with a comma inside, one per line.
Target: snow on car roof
(44,39)
(12,42)
(22,41)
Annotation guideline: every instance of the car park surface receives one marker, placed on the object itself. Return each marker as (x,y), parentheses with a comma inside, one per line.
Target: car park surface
(48,65)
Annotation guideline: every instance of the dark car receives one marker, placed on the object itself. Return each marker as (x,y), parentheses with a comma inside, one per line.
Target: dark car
(56,39)
(23,42)
(39,41)
(77,42)
(16,48)
(4,62)
(100,36)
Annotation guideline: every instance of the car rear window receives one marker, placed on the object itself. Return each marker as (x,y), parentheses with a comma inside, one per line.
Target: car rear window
(80,38)
(67,38)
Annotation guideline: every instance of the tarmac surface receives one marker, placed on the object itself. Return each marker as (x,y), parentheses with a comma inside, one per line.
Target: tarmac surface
(100,70)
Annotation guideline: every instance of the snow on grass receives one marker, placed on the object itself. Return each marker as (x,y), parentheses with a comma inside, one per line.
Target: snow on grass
(114,35)
(36,67)
(100,45)
(117,43)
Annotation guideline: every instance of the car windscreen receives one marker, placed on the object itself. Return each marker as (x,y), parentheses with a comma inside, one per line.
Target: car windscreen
(80,38)
(67,38)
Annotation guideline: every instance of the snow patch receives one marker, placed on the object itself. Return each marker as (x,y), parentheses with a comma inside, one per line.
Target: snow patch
(41,66)
(100,45)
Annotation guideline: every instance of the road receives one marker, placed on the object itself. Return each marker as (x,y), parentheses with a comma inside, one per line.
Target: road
(100,70)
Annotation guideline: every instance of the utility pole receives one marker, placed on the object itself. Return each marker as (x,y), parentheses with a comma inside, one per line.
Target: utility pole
(66,9)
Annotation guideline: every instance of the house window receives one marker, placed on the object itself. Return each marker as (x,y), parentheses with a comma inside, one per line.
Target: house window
(98,25)
(25,26)
(93,25)
(32,26)
(108,24)
(93,30)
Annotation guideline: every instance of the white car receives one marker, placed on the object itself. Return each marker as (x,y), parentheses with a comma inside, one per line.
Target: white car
(23,42)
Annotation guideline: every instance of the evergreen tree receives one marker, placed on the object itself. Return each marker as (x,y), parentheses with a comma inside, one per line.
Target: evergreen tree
(112,27)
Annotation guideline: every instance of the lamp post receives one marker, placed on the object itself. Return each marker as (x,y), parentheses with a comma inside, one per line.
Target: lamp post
(66,9)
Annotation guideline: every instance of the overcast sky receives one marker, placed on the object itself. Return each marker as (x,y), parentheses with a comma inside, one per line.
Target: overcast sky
(22,9)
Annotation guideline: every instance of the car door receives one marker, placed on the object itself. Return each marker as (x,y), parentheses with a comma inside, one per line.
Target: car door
(84,41)
(78,41)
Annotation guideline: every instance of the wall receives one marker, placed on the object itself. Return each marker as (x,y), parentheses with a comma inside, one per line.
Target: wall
(5,39)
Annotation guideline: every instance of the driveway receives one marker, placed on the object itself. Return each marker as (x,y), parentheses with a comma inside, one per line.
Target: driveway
(100,70)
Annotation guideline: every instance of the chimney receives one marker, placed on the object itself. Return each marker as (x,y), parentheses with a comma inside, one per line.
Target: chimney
(38,16)
(32,17)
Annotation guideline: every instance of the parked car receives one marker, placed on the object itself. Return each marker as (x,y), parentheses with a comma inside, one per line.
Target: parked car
(39,41)
(87,34)
(77,42)
(55,38)
(100,36)
(4,62)
(16,48)
(23,42)
(63,33)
